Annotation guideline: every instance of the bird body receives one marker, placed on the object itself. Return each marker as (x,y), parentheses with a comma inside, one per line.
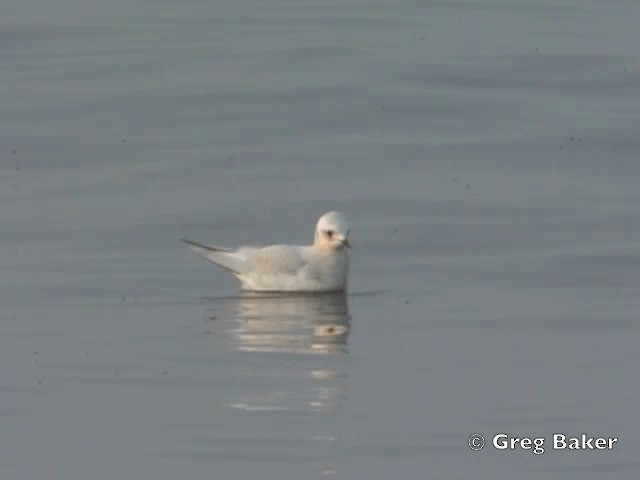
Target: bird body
(320,267)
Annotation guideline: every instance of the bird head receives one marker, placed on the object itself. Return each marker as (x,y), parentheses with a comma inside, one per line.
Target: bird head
(332,231)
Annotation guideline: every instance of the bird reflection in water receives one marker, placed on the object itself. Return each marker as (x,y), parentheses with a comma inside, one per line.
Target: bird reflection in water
(293,324)
(300,343)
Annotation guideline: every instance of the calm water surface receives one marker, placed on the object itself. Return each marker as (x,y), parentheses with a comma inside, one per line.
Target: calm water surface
(486,152)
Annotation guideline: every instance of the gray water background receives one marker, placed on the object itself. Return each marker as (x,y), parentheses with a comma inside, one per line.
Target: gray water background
(486,152)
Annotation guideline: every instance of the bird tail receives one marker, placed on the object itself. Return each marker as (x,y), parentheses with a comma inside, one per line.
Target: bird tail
(225,258)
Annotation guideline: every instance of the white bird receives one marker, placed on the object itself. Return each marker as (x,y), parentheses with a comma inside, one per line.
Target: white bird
(320,267)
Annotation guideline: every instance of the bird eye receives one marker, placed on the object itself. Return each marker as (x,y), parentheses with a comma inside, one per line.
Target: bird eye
(329,233)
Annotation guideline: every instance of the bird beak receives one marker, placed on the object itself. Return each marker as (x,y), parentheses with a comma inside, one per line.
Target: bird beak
(346,243)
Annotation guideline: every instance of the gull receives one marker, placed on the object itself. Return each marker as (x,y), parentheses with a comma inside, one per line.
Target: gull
(320,267)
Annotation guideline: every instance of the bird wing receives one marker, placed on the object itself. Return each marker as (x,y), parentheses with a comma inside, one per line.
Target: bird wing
(275,259)
(235,262)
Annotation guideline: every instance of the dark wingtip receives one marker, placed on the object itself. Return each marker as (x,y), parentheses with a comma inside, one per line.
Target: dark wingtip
(202,246)
(192,243)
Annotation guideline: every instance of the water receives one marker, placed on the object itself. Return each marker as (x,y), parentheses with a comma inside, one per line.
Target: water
(486,153)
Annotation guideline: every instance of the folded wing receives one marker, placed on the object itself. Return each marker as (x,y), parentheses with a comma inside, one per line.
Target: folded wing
(275,259)
(235,262)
